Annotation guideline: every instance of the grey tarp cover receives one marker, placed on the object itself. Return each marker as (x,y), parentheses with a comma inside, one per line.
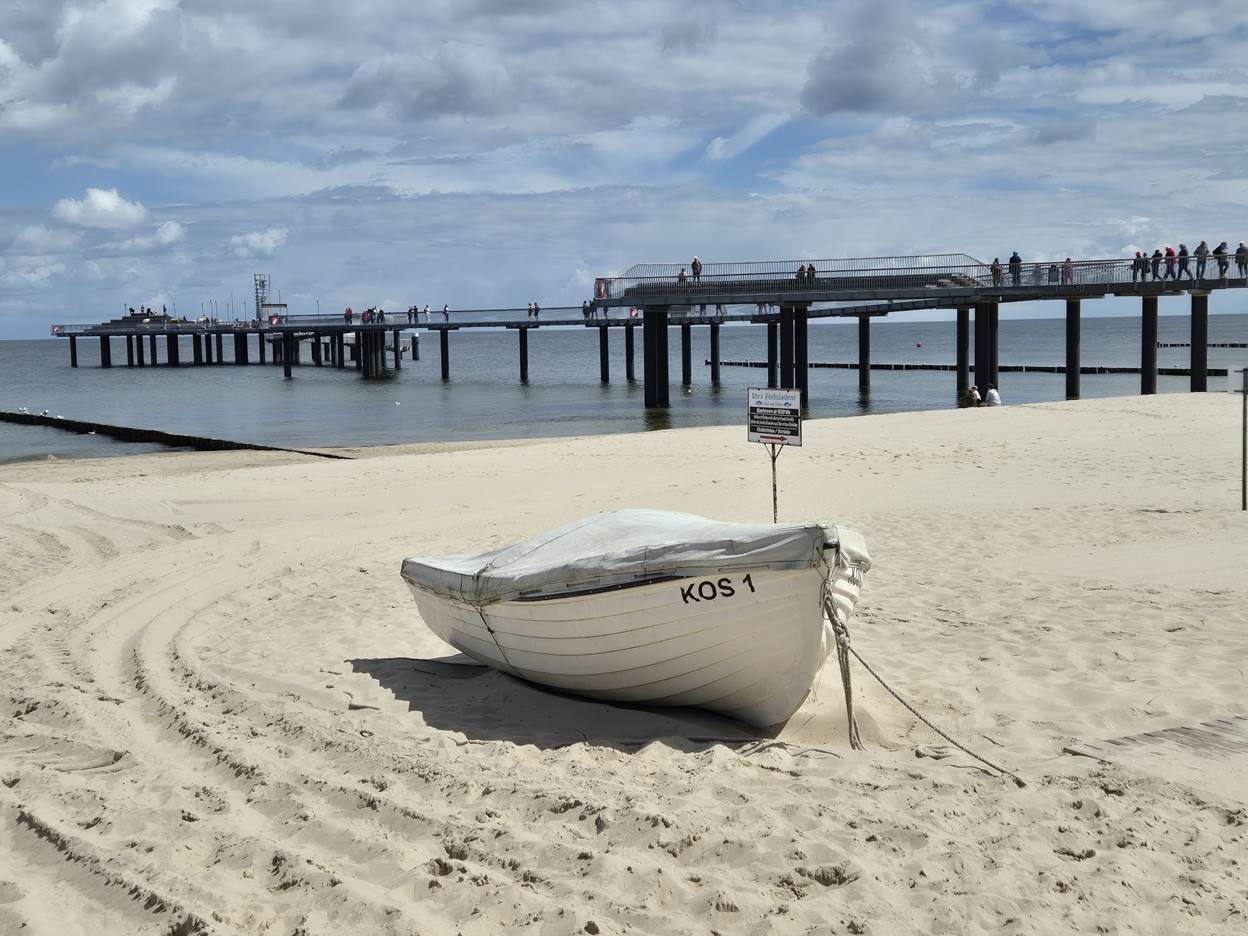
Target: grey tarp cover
(627,546)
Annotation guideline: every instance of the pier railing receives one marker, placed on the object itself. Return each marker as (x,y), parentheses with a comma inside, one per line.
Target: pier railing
(945,271)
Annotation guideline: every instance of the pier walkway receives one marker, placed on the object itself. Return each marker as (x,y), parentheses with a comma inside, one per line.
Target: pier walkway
(782,295)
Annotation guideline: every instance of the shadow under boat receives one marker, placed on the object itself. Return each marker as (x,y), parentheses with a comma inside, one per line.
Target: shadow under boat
(456,693)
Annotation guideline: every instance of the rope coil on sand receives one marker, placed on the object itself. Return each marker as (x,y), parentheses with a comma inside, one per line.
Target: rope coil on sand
(844,648)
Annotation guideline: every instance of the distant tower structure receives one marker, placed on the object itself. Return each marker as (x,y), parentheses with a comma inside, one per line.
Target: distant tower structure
(262,294)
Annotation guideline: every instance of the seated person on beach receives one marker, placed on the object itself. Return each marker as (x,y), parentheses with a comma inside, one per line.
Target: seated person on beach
(992,398)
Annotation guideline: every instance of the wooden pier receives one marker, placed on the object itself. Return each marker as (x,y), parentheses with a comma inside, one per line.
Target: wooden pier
(656,298)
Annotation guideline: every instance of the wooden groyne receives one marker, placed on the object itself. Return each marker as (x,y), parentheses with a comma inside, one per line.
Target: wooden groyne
(1003,368)
(158,436)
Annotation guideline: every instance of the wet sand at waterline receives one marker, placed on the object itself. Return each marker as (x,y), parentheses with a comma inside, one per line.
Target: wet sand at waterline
(222,712)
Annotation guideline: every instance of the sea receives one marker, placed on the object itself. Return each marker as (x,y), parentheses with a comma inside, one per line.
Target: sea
(484,399)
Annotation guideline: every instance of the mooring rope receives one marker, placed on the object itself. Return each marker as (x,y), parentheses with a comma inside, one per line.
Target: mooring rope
(844,648)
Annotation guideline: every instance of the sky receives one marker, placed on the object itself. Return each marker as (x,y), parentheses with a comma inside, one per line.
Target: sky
(488,153)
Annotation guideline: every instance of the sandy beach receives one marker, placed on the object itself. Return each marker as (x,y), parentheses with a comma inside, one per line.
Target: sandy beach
(222,713)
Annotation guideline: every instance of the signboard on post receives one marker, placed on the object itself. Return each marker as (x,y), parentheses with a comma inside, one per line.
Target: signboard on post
(775,419)
(775,416)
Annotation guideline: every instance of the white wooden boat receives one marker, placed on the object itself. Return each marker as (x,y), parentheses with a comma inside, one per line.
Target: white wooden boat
(653,607)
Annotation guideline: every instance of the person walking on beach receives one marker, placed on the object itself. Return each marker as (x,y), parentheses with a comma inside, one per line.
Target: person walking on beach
(1241,259)
(1016,269)
(997,272)
(1157,264)
(1220,254)
(696,269)
(992,398)
(1184,263)
(1202,258)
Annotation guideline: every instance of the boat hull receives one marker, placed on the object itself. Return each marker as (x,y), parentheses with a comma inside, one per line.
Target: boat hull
(747,645)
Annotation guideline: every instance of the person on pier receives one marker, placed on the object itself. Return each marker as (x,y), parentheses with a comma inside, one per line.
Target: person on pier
(1241,259)
(1139,268)
(1202,258)
(1068,272)
(348,315)
(696,269)
(1185,265)
(446,312)
(1016,269)
(1157,264)
(426,314)
(998,277)
(1170,258)
(681,278)
(1220,254)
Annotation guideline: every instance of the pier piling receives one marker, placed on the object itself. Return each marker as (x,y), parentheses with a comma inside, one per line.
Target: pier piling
(171,350)
(654,353)
(444,342)
(1200,342)
(983,350)
(129,351)
(630,370)
(801,372)
(864,352)
(73,350)
(197,350)
(288,352)
(106,351)
(316,350)
(964,349)
(398,350)
(523,335)
(773,349)
(151,346)
(714,354)
(1072,349)
(340,347)
(138,350)
(1148,345)
(604,355)
(686,355)
(994,346)
(786,347)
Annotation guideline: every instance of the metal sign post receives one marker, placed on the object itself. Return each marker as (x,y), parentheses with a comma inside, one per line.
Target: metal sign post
(1238,383)
(775,419)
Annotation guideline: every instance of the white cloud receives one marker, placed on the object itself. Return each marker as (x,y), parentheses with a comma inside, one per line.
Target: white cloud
(166,235)
(258,243)
(100,208)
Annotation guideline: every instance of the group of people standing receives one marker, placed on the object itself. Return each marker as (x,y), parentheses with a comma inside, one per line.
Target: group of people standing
(1178,263)
(375,316)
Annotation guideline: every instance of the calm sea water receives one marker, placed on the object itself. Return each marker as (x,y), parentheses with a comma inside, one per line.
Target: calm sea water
(485,400)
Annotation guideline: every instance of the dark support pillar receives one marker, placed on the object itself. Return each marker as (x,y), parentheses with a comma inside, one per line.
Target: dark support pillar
(983,350)
(340,350)
(630,368)
(73,351)
(786,348)
(773,348)
(243,355)
(316,349)
(686,354)
(171,350)
(106,351)
(398,349)
(994,324)
(129,351)
(1200,342)
(197,350)
(415,346)
(654,353)
(444,339)
(370,354)
(262,341)
(864,352)
(207,349)
(604,356)
(523,334)
(1148,346)
(964,350)
(801,363)
(357,350)
(714,354)
(288,352)
(1072,349)
(151,343)
(220,348)
(138,350)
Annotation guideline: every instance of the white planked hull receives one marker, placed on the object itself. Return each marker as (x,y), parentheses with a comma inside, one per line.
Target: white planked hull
(748,646)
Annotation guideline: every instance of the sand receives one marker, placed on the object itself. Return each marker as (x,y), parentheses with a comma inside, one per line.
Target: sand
(219,712)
